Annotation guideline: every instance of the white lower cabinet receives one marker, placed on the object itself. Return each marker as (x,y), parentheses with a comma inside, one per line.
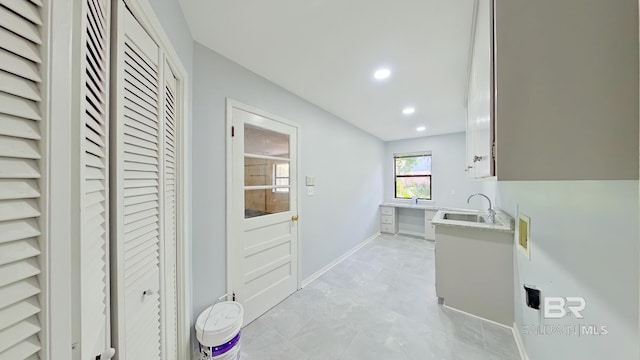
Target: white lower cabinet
(388,220)
(474,271)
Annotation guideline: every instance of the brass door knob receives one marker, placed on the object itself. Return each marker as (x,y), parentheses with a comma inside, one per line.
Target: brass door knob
(294,218)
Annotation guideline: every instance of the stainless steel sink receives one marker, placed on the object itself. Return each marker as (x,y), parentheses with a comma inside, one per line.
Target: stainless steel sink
(464,217)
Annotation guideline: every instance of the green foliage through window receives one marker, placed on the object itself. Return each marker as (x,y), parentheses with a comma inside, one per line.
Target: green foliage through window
(413,176)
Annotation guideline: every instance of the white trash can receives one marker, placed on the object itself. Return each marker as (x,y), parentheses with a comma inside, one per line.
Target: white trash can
(218,331)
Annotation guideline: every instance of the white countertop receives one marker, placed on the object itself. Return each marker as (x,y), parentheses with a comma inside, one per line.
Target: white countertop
(405,205)
(503,221)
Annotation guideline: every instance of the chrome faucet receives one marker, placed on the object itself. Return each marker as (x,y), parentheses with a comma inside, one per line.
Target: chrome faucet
(491,214)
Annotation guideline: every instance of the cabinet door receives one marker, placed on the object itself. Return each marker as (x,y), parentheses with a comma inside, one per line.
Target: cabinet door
(479,128)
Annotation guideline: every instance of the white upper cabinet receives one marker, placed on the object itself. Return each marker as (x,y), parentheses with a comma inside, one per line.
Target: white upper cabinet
(479,138)
(564,94)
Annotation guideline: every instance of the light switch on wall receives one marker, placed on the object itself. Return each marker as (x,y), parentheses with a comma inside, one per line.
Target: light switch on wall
(310,190)
(310,180)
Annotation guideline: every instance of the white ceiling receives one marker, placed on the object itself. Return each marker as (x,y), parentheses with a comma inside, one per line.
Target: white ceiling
(326,51)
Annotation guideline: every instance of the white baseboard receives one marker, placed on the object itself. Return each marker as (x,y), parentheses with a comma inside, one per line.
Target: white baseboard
(476,316)
(518,337)
(337,261)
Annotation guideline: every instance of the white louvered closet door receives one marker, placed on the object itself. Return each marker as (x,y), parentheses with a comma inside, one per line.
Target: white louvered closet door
(170,215)
(137,213)
(21,55)
(94,241)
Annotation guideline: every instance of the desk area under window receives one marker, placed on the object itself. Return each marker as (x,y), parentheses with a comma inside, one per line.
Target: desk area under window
(409,219)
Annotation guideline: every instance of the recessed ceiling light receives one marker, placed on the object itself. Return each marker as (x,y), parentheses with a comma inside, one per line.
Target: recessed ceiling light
(421,128)
(381,74)
(408,110)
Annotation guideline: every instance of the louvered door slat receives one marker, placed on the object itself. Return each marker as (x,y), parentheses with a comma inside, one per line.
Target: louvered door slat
(19,127)
(95,210)
(19,46)
(20,66)
(141,241)
(18,292)
(18,209)
(142,159)
(134,95)
(16,313)
(140,272)
(18,148)
(20,331)
(170,216)
(18,168)
(132,51)
(141,123)
(94,149)
(26,349)
(18,270)
(18,250)
(19,25)
(18,230)
(138,191)
(15,85)
(135,145)
(94,246)
(11,189)
(140,244)
(19,107)
(140,215)
(132,130)
(25,9)
(136,232)
(142,87)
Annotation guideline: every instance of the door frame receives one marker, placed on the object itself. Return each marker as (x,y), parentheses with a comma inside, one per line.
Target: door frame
(146,16)
(234,104)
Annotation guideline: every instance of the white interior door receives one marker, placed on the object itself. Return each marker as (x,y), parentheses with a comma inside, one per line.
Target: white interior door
(22,161)
(136,201)
(263,243)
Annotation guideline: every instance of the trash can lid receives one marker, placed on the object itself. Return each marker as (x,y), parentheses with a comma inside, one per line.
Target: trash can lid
(219,323)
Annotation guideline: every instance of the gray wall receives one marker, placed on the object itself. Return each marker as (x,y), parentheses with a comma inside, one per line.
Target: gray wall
(175,26)
(450,185)
(566,90)
(346,163)
(584,242)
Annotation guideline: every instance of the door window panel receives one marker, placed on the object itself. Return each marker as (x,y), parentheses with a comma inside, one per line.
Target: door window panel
(264,202)
(258,141)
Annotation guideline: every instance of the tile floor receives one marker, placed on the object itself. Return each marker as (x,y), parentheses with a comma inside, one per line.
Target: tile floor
(380,303)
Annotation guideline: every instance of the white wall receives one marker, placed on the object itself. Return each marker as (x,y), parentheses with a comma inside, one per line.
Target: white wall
(346,163)
(450,185)
(584,242)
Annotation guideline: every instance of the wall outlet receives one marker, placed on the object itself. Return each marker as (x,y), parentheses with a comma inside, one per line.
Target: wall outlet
(310,191)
